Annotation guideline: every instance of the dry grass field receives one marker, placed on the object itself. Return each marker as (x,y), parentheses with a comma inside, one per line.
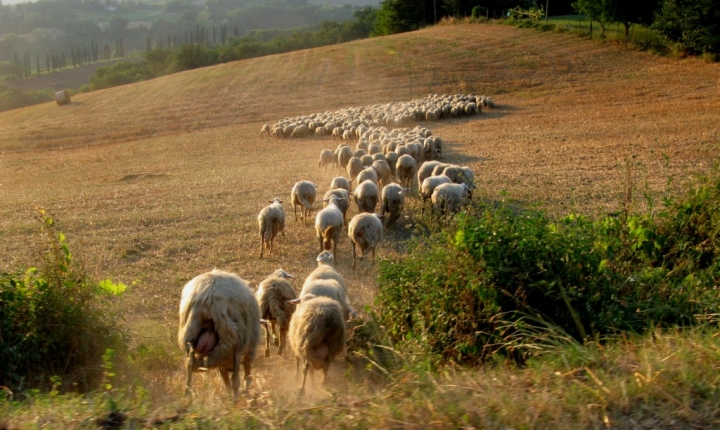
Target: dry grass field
(156,182)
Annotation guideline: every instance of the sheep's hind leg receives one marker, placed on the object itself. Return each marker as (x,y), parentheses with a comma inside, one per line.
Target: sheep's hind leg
(305,372)
(267,341)
(226,379)
(189,367)
(236,377)
(247,367)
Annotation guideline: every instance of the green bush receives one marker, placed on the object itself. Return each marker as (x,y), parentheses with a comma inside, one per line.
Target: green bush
(54,321)
(13,98)
(469,291)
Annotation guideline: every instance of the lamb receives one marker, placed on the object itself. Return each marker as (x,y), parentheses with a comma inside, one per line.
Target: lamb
(354,167)
(340,182)
(271,220)
(406,168)
(366,196)
(393,200)
(273,295)
(329,223)
(327,158)
(343,201)
(265,130)
(219,327)
(448,198)
(317,335)
(303,195)
(365,230)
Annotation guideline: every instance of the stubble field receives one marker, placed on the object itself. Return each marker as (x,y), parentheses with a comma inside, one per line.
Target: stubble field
(157,182)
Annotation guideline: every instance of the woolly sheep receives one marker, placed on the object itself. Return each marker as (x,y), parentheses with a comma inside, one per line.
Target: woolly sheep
(367,174)
(329,223)
(366,160)
(344,156)
(405,169)
(325,270)
(438,169)
(452,172)
(343,201)
(379,156)
(425,170)
(317,335)
(448,198)
(219,306)
(354,167)
(273,295)
(392,158)
(366,196)
(340,182)
(327,158)
(359,153)
(393,201)
(303,195)
(271,220)
(384,174)
(366,231)
(265,130)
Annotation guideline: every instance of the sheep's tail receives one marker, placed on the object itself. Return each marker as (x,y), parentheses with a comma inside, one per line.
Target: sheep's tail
(227,330)
(304,202)
(329,233)
(278,312)
(266,230)
(190,331)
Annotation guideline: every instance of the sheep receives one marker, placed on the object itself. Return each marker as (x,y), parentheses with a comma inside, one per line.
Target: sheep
(327,158)
(359,153)
(438,169)
(366,231)
(430,116)
(448,198)
(466,176)
(340,182)
(354,167)
(428,187)
(425,170)
(325,270)
(271,220)
(379,156)
(405,169)
(344,156)
(393,200)
(317,335)
(366,196)
(367,174)
(384,174)
(219,327)
(343,201)
(392,158)
(366,160)
(303,195)
(273,295)
(452,172)
(265,130)
(329,223)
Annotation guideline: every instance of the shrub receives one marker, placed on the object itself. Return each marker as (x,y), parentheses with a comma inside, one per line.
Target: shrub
(469,290)
(54,321)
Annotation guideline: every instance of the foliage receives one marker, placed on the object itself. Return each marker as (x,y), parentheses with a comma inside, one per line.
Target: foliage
(695,24)
(469,290)
(627,13)
(13,98)
(54,320)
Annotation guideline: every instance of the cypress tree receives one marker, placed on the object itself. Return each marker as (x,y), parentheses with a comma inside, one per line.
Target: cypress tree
(62,61)
(37,62)
(47,61)
(214,41)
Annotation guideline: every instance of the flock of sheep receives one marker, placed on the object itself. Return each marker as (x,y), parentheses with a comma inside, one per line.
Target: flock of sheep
(221,317)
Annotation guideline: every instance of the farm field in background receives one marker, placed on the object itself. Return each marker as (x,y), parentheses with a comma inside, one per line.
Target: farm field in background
(616,31)
(156,182)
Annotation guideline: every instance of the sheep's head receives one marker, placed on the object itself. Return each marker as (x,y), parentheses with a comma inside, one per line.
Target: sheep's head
(280,273)
(326,257)
(275,200)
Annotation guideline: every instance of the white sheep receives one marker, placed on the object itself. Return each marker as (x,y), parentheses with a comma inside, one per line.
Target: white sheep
(393,201)
(303,195)
(366,231)
(366,160)
(273,295)
(265,130)
(367,174)
(384,174)
(219,327)
(340,182)
(343,201)
(366,196)
(317,335)
(271,221)
(425,170)
(448,198)
(325,270)
(344,154)
(329,223)
(327,158)
(405,170)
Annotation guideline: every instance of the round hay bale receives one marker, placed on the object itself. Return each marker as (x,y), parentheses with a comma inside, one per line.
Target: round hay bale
(62,97)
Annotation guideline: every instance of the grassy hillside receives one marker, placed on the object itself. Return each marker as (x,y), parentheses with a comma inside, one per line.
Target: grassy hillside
(156,182)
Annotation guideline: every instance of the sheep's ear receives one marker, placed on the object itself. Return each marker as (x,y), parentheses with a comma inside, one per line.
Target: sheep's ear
(294,301)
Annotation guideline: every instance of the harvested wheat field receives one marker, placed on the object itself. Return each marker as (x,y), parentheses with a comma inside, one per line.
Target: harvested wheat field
(156,182)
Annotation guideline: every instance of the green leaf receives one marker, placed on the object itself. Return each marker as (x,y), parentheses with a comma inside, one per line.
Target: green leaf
(107,286)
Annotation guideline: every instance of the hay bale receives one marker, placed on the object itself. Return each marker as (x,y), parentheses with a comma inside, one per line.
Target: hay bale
(62,97)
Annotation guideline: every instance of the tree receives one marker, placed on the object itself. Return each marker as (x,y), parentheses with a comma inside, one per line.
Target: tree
(694,23)
(118,25)
(625,12)
(398,16)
